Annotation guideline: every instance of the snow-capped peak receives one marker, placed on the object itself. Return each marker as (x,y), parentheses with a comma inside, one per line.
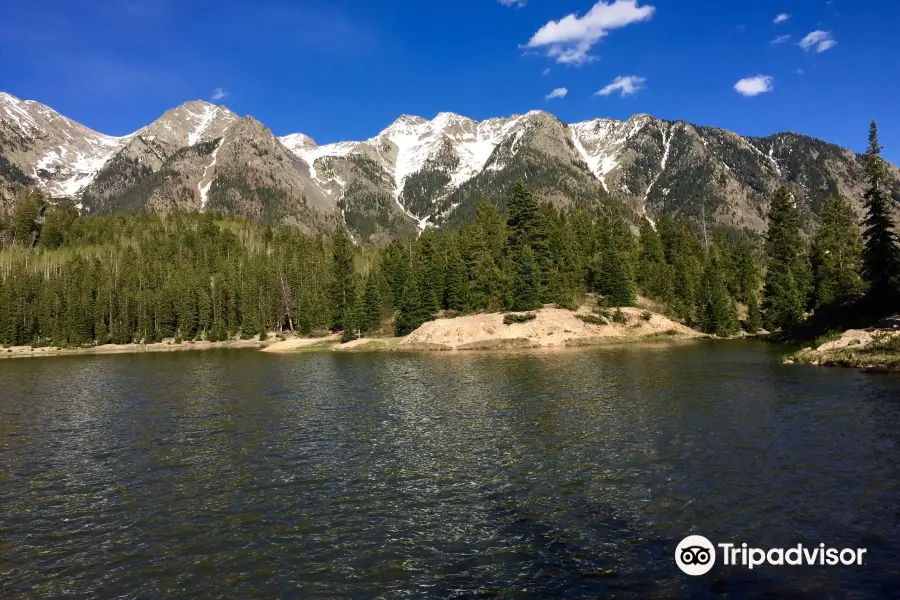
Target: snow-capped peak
(601,141)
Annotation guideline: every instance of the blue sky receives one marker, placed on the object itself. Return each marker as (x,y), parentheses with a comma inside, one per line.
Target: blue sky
(345,69)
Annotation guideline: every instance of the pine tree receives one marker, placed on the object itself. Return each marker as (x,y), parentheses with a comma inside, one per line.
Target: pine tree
(716,309)
(617,285)
(412,312)
(837,255)
(784,295)
(653,274)
(523,215)
(457,280)
(744,276)
(754,316)
(526,288)
(25,218)
(881,254)
(342,288)
(432,283)
(371,311)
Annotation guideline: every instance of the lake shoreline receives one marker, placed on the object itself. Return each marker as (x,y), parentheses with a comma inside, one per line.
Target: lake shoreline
(34,352)
(546,328)
(872,350)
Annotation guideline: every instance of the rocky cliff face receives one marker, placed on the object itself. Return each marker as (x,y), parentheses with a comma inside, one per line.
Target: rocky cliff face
(438,170)
(419,173)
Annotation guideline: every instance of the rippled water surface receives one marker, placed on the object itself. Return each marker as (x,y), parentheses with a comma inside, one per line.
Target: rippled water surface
(237,474)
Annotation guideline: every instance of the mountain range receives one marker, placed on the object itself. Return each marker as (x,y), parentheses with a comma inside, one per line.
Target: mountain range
(417,172)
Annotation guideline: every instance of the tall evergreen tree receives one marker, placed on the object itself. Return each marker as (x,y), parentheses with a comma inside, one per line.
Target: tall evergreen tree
(716,310)
(371,313)
(784,295)
(653,273)
(456,278)
(836,254)
(617,283)
(526,290)
(523,215)
(413,310)
(881,254)
(342,290)
(754,316)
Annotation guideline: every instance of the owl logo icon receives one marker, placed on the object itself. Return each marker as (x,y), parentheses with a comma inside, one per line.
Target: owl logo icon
(695,555)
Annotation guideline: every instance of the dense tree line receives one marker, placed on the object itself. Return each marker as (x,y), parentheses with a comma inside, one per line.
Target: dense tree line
(840,267)
(67,279)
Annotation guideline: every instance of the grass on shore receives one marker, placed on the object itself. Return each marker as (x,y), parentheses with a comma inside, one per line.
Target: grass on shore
(882,355)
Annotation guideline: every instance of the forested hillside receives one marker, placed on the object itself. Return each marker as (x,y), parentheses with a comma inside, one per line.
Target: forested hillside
(70,280)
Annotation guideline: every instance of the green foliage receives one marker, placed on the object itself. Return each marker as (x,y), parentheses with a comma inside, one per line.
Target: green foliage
(603,312)
(619,317)
(342,278)
(884,343)
(754,315)
(825,338)
(414,308)
(456,277)
(836,255)
(646,315)
(788,274)
(371,306)
(881,254)
(148,277)
(513,318)
(716,309)
(73,280)
(654,275)
(592,319)
(526,295)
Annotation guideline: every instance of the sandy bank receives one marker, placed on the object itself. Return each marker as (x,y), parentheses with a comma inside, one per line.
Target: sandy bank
(876,349)
(29,351)
(295,344)
(552,327)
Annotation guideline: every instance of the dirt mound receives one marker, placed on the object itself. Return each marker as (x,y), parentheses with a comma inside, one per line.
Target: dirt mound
(551,327)
(852,337)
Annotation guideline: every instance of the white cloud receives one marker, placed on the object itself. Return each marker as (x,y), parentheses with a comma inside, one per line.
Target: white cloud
(625,85)
(781,39)
(753,86)
(545,72)
(557,93)
(820,40)
(570,39)
(781,18)
(516,3)
(219,94)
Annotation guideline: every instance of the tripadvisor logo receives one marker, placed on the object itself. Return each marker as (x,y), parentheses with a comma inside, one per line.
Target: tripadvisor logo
(696,555)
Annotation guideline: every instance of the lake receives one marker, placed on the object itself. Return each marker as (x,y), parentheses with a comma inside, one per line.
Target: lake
(235,474)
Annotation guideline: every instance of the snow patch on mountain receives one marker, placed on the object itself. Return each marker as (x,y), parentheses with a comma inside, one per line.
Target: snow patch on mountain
(205,187)
(667,136)
(600,142)
(14,111)
(205,120)
(306,149)
(410,142)
(66,169)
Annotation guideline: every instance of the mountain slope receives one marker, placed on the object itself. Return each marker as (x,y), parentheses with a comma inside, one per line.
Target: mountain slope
(419,172)
(242,171)
(58,153)
(438,170)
